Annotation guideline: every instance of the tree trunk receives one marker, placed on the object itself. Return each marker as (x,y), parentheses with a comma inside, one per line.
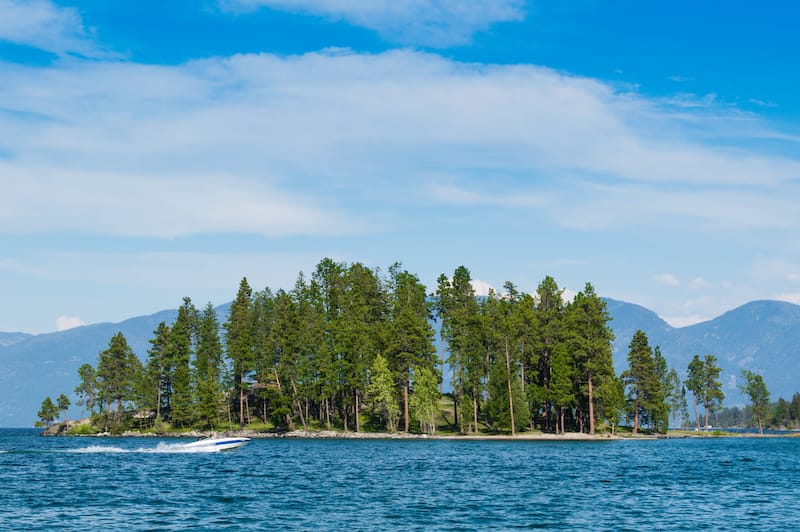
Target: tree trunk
(241,404)
(696,415)
(405,405)
(705,405)
(636,417)
(510,394)
(298,406)
(591,408)
(358,421)
(441,350)
(475,409)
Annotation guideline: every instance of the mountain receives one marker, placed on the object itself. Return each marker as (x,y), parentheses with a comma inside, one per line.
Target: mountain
(761,336)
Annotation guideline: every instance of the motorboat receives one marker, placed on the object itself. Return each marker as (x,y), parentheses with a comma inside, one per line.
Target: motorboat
(217,444)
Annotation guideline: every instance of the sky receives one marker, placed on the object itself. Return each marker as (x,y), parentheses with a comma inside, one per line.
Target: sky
(153,150)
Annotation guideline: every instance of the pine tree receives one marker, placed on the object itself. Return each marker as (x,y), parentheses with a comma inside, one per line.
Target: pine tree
(756,390)
(118,371)
(550,334)
(87,389)
(590,339)
(239,342)
(208,368)
(645,399)
(410,340)
(48,413)
(181,349)
(156,384)
(63,404)
(703,381)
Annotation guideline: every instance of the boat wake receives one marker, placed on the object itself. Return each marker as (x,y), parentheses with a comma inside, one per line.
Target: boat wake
(161,448)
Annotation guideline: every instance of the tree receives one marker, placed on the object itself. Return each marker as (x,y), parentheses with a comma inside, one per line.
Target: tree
(63,404)
(208,368)
(645,398)
(180,350)
(156,384)
(382,393)
(87,389)
(755,388)
(425,398)
(694,383)
(118,371)
(239,341)
(703,381)
(591,340)
(550,333)
(410,342)
(48,413)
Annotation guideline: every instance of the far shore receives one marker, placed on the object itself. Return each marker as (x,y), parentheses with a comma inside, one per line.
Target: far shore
(62,429)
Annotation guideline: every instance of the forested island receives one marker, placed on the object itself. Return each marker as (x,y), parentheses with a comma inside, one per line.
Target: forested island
(354,349)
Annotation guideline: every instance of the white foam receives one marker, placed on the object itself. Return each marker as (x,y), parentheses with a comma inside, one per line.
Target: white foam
(161,448)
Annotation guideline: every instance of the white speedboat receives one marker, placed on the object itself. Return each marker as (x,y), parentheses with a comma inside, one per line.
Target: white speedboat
(217,444)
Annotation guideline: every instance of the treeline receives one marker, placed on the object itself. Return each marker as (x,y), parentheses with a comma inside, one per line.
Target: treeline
(351,346)
(780,414)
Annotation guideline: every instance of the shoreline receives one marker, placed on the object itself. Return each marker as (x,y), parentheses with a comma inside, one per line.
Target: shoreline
(62,429)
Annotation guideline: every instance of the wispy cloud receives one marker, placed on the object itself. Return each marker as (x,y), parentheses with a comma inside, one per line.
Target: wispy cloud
(46,26)
(297,145)
(436,23)
(667,278)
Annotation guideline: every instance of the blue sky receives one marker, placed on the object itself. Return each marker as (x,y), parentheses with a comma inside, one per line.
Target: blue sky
(154,150)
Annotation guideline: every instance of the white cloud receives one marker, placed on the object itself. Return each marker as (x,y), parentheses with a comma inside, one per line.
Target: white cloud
(684,320)
(667,278)
(482,288)
(68,322)
(698,283)
(425,22)
(789,298)
(43,25)
(290,145)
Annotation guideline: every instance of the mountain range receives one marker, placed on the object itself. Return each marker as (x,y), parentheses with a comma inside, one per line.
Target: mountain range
(761,336)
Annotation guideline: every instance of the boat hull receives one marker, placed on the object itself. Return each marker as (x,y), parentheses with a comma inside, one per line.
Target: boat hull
(217,444)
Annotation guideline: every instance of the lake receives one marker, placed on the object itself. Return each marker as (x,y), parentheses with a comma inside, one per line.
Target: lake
(153,484)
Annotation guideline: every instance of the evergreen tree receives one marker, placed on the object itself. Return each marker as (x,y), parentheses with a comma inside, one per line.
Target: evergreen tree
(550,335)
(239,342)
(410,341)
(695,383)
(756,390)
(645,399)
(180,349)
(461,324)
(661,412)
(118,371)
(208,368)
(48,413)
(156,384)
(591,338)
(63,405)
(87,389)
(703,381)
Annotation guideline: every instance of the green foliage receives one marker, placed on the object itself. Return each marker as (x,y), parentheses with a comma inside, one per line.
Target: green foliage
(87,389)
(381,391)
(645,401)
(239,342)
(425,399)
(118,371)
(48,413)
(703,381)
(755,388)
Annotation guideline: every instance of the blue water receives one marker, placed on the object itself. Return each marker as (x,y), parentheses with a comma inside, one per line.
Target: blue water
(150,484)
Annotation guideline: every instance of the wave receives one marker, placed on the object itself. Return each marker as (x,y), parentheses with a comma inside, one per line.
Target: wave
(161,448)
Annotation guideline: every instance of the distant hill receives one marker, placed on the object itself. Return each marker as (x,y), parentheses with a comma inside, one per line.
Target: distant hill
(762,336)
